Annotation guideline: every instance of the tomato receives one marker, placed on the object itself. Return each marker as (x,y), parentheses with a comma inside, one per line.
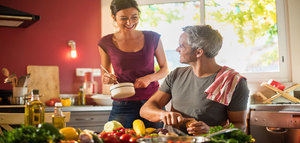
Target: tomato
(117,129)
(118,134)
(111,139)
(50,103)
(132,132)
(102,135)
(148,136)
(125,138)
(132,140)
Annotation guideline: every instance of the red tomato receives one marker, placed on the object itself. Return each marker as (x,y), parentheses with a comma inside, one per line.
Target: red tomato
(118,134)
(132,132)
(117,129)
(50,103)
(111,139)
(125,138)
(102,135)
(132,140)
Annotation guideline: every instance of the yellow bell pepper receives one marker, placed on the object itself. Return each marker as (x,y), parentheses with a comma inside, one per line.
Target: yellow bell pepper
(65,102)
(139,127)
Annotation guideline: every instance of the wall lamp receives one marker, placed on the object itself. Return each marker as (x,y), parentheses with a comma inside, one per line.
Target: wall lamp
(72,44)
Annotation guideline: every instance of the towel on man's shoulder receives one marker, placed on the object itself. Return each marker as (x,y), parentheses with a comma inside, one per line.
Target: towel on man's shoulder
(221,90)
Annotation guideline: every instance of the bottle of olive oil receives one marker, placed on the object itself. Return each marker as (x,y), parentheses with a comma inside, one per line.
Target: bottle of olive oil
(58,119)
(34,110)
(81,96)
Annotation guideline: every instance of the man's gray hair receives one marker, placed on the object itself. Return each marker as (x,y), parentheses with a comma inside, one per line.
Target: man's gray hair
(204,37)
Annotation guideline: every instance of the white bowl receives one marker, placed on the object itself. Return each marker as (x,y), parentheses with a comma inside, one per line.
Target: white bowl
(122,90)
(103,100)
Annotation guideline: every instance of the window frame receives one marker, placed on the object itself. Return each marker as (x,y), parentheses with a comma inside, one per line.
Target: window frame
(284,74)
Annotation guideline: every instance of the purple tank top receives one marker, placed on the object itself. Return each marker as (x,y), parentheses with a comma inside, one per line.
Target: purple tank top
(128,66)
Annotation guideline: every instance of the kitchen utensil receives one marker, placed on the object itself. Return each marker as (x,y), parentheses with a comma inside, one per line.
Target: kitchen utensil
(26,80)
(166,139)
(45,79)
(21,81)
(109,74)
(122,90)
(103,100)
(171,129)
(5,72)
(19,91)
(222,132)
(17,100)
(13,79)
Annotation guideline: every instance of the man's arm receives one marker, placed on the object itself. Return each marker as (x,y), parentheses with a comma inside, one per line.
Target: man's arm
(238,119)
(152,109)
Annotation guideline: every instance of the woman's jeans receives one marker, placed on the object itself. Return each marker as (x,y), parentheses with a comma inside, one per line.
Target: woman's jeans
(126,112)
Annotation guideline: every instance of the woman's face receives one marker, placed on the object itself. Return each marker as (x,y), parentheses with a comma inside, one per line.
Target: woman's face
(127,19)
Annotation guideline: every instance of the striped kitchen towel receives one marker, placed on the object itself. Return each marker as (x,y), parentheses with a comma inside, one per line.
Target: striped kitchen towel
(221,90)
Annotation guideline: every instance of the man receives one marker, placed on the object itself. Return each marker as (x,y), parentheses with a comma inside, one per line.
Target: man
(205,91)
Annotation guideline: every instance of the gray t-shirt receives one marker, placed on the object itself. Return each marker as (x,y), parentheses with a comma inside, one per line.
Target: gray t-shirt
(188,96)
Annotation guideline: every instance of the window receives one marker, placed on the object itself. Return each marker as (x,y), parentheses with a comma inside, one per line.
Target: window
(254,37)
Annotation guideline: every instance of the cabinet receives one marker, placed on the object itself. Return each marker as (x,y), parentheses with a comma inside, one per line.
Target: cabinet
(92,120)
(275,123)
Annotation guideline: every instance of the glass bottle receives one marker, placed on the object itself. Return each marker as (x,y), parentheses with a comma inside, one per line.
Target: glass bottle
(58,119)
(34,110)
(90,86)
(81,96)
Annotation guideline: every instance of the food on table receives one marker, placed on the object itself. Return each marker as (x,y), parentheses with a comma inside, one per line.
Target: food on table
(85,137)
(52,101)
(69,133)
(150,130)
(45,133)
(66,101)
(139,127)
(112,125)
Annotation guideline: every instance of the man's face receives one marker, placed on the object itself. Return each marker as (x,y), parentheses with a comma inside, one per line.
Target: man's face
(187,54)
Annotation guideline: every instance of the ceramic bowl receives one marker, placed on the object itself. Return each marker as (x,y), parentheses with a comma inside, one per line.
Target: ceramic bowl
(122,90)
(102,100)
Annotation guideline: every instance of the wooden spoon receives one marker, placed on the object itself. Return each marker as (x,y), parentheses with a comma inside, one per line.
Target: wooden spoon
(5,72)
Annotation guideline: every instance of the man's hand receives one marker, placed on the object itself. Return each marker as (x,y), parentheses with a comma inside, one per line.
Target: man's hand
(197,128)
(171,118)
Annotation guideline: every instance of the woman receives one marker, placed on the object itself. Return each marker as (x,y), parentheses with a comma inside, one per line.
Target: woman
(131,54)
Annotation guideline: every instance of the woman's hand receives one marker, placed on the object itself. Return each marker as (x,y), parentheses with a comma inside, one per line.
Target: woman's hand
(197,128)
(109,78)
(142,82)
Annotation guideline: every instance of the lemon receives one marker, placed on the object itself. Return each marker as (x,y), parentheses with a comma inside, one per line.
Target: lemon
(112,125)
(139,127)
(69,133)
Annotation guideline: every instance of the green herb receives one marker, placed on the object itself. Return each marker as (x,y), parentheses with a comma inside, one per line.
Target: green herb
(29,134)
(237,136)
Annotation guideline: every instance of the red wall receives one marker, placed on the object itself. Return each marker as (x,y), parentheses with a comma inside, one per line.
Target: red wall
(45,42)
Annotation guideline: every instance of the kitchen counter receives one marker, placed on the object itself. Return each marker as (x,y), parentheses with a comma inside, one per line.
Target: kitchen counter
(276,107)
(87,108)
(83,117)
(275,123)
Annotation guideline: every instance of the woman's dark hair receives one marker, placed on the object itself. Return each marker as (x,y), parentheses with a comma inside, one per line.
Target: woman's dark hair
(117,5)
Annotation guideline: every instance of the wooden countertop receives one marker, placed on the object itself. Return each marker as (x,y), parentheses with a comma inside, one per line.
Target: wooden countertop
(276,107)
(65,109)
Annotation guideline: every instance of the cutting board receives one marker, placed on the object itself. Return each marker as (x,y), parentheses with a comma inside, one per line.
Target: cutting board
(45,79)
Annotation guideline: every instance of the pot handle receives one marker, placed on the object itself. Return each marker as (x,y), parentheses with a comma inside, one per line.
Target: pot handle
(276,130)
